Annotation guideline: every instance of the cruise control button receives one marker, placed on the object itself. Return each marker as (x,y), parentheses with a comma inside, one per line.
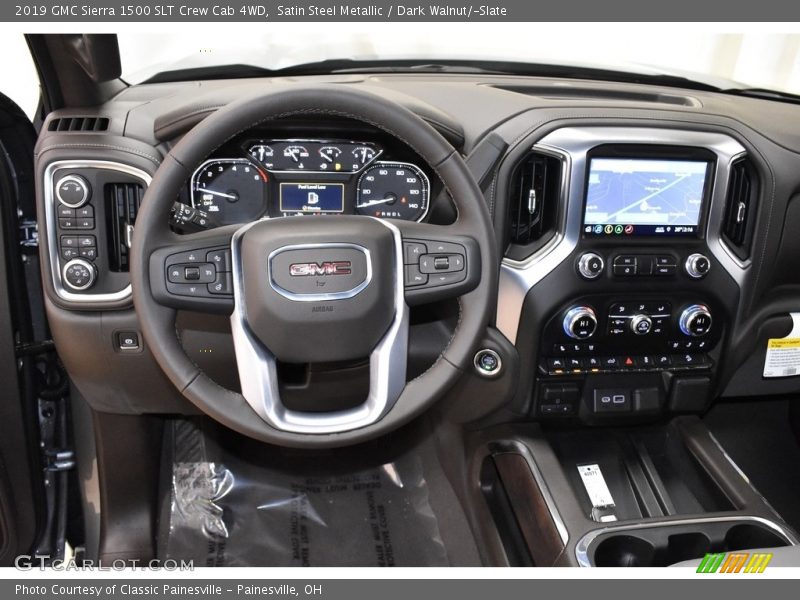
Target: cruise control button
(191,273)
(221,259)
(223,284)
(187,289)
(445,248)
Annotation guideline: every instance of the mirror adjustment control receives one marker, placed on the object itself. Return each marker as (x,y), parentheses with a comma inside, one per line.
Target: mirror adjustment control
(641,324)
(580,322)
(695,320)
(73,191)
(590,265)
(79,274)
(697,266)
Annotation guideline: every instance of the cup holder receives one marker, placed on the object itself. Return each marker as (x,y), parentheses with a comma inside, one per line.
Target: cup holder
(624,551)
(663,544)
(746,537)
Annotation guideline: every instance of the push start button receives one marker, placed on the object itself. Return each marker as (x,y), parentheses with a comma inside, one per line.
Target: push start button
(487,362)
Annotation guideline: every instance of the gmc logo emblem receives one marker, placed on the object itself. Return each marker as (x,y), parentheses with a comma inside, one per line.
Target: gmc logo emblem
(341,267)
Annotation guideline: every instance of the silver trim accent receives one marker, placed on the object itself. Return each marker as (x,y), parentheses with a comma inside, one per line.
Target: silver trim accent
(81,182)
(319,297)
(480,370)
(691,266)
(571,145)
(583,265)
(425,181)
(582,547)
(258,373)
(634,324)
(51,222)
(517,447)
(89,266)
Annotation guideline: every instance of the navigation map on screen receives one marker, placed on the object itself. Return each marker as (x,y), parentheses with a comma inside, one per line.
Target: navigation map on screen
(644,196)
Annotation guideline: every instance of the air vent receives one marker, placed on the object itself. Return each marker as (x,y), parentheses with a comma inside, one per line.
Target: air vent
(740,208)
(78,124)
(123,202)
(533,203)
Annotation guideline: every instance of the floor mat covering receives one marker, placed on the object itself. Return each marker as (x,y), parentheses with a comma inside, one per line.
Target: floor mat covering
(224,511)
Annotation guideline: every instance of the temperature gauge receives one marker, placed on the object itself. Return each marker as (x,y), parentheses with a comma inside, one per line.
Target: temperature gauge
(297,155)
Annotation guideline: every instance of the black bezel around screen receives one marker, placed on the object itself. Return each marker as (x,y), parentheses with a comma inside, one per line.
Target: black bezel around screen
(618,230)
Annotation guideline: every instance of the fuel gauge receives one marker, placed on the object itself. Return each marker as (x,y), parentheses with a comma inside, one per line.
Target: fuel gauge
(330,158)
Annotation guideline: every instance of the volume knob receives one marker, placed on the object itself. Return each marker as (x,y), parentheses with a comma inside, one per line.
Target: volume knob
(580,322)
(695,320)
(590,265)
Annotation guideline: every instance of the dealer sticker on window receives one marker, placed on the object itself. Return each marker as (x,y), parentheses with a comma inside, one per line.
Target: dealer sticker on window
(783,354)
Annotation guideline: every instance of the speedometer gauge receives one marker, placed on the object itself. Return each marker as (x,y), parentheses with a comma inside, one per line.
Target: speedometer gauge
(393,190)
(230,190)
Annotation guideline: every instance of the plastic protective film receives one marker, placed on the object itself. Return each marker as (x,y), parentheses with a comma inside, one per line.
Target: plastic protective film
(227,512)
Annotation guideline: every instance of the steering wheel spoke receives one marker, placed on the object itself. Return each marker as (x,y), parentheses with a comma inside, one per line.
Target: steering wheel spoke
(194,272)
(439,262)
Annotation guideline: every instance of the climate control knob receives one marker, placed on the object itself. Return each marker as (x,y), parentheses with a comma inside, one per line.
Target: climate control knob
(590,265)
(580,322)
(79,274)
(697,266)
(641,324)
(695,320)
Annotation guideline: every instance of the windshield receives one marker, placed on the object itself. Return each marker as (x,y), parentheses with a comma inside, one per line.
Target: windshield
(760,60)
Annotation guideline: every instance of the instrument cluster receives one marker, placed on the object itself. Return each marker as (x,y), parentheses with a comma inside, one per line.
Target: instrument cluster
(265,177)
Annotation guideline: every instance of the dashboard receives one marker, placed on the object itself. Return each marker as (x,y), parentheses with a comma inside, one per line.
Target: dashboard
(257,177)
(642,241)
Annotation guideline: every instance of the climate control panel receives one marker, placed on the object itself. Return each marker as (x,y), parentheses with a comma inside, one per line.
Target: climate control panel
(608,334)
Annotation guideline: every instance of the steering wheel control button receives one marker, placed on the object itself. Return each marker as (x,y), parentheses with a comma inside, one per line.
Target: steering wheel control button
(73,191)
(128,341)
(641,324)
(580,322)
(695,320)
(437,263)
(221,259)
(223,284)
(591,266)
(697,266)
(487,363)
(413,252)
(437,279)
(414,276)
(79,274)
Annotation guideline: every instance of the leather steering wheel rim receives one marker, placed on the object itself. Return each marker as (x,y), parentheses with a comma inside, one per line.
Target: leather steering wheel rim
(152,232)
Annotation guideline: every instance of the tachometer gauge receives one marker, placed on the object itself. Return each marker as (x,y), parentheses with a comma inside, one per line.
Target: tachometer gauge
(393,190)
(230,190)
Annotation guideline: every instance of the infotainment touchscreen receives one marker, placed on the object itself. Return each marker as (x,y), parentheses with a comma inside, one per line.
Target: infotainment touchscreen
(637,196)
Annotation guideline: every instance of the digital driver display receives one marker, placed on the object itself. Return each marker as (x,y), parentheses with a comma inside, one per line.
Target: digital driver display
(312,198)
(634,196)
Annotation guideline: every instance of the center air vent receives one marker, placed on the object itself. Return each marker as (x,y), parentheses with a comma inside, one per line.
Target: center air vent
(123,202)
(533,203)
(78,124)
(740,208)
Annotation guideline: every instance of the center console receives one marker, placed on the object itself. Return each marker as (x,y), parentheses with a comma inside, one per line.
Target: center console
(623,313)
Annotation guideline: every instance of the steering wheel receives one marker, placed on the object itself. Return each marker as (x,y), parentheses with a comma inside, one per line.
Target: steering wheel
(321,289)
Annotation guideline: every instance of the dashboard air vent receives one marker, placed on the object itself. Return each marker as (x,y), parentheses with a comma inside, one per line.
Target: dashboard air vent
(122,201)
(78,124)
(533,203)
(740,208)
